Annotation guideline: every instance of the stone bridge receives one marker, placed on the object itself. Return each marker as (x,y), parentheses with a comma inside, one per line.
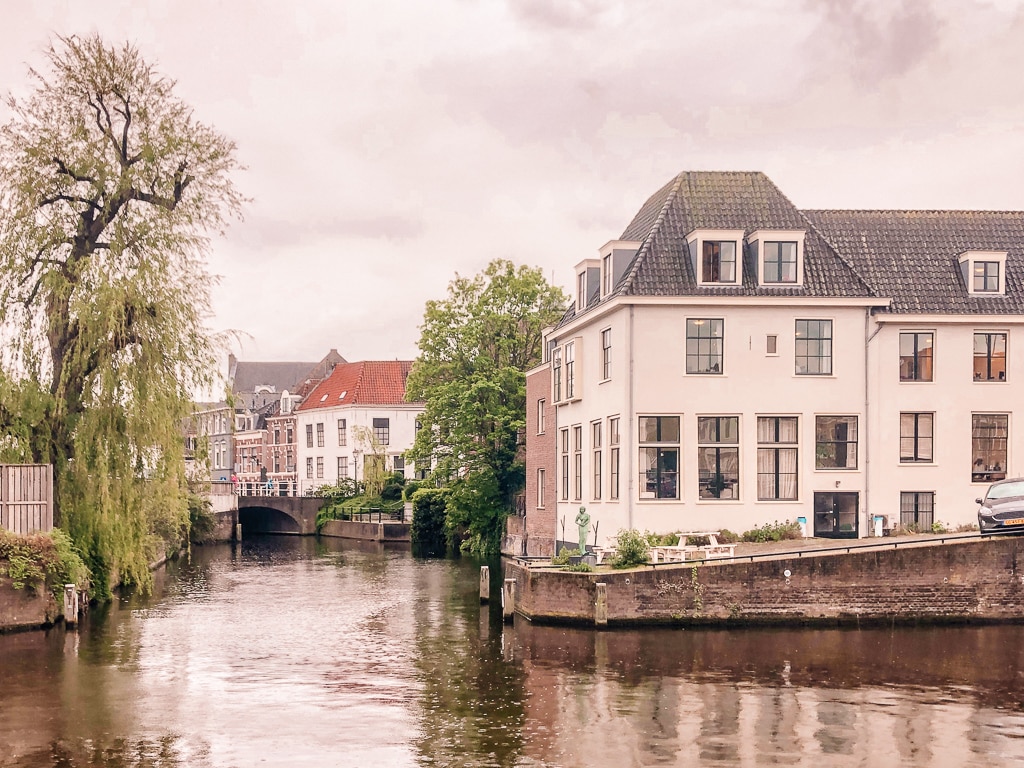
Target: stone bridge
(279,514)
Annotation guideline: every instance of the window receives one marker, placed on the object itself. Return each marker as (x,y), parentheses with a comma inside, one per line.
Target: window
(319,466)
(309,467)
(916,356)
(565,463)
(986,276)
(398,464)
(990,357)
(718,457)
(779,262)
(540,415)
(606,353)
(595,440)
(613,457)
(277,435)
(704,347)
(342,432)
(577,461)
(835,442)
(320,434)
(814,347)
(606,271)
(309,435)
(659,457)
(570,370)
(540,488)
(917,509)
(916,437)
(382,431)
(718,264)
(771,344)
(777,438)
(988,446)
(277,462)
(342,467)
(556,374)
(289,436)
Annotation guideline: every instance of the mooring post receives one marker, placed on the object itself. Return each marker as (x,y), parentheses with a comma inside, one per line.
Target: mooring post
(485,583)
(601,605)
(238,532)
(508,600)
(70,605)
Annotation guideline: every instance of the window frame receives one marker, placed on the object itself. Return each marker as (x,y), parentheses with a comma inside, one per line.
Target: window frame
(989,356)
(540,487)
(613,458)
(577,461)
(597,465)
(662,448)
(722,447)
(556,374)
(570,370)
(911,365)
(563,434)
(606,354)
(988,472)
(775,447)
(541,420)
(320,434)
(917,438)
(833,440)
(915,498)
(343,467)
(704,346)
(382,431)
(342,432)
(712,260)
(819,340)
(779,262)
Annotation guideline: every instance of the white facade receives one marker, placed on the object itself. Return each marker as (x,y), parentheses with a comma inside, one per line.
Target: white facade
(333,443)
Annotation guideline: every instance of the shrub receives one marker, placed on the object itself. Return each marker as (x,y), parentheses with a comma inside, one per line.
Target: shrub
(631,549)
(392,492)
(429,512)
(775,531)
(410,488)
(201,522)
(562,558)
(728,537)
(580,568)
(42,560)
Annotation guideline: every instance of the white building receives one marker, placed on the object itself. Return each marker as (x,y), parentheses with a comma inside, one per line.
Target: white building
(356,413)
(732,361)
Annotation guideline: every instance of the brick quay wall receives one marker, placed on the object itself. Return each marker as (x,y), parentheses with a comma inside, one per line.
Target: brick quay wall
(976,580)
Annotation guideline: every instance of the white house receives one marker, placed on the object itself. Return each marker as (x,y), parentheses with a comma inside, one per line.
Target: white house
(730,361)
(356,413)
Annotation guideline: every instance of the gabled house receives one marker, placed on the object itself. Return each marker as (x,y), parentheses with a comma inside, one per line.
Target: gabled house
(731,360)
(356,416)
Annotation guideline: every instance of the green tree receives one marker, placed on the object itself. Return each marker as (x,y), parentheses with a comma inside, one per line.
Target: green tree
(475,346)
(109,192)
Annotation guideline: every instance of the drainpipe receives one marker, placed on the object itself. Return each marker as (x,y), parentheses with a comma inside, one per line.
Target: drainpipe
(868,337)
(628,431)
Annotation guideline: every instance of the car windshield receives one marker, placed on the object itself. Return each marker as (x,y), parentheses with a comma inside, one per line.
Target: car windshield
(1005,490)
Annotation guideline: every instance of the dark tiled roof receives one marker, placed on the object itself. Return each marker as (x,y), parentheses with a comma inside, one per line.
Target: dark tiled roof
(367,383)
(746,201)
(913,256)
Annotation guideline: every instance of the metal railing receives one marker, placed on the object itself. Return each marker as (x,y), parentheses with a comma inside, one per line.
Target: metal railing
(269,488)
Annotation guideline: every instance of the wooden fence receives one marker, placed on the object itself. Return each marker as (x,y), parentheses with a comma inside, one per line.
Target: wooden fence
(26,497)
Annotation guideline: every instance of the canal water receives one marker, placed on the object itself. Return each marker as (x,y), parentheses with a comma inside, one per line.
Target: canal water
(295,652)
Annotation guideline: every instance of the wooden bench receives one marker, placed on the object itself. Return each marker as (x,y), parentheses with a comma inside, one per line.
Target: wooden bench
(683,551)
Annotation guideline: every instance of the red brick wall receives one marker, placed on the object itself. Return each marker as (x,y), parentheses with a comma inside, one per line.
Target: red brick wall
(539,523)
(980,580)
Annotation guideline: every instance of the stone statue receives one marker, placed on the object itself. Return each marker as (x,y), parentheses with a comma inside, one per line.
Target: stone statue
(583,522)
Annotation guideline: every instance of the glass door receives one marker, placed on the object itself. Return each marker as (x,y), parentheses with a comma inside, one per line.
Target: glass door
(836,515)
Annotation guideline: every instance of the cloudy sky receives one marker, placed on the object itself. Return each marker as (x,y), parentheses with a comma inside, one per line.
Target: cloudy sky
(391,144)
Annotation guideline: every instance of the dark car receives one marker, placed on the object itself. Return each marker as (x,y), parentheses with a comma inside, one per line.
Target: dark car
(1002,509)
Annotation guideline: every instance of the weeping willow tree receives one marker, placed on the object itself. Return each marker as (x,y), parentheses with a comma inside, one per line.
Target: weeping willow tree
(109,192)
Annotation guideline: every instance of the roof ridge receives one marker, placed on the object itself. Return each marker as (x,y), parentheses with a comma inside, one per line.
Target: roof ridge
(855,271)
(957,211)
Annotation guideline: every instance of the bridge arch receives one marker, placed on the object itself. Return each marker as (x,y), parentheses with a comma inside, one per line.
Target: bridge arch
(294,515)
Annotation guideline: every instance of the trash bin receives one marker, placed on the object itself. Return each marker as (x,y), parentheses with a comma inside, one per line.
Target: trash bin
(879,524)
(802,521)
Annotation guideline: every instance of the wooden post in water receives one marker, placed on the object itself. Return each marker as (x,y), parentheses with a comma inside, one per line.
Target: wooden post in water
(238,532)
(508,600)
(601,605)
(70,605)
(485,583)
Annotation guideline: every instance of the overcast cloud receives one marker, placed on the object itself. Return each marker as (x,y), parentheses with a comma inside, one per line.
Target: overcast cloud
(390,144)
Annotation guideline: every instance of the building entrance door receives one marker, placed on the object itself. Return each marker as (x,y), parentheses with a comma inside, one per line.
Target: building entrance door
(836,515)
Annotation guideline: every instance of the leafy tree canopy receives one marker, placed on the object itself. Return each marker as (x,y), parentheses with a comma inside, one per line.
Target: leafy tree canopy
(109,192)
(475,346)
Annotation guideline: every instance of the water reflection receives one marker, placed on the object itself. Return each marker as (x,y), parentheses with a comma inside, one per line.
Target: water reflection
(293,652)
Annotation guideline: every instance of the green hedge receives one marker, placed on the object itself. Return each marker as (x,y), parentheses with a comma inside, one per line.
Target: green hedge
(429,510)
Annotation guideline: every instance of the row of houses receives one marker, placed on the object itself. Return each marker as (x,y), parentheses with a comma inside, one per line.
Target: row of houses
(291,427)
(731,360)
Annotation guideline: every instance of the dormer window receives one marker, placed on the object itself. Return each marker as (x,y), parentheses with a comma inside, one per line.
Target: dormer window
(779,255)
(588,283)
(984,272)
(715,255)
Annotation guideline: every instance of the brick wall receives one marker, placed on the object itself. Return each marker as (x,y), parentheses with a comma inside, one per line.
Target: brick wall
(539,524)
(24,608)
(974,580)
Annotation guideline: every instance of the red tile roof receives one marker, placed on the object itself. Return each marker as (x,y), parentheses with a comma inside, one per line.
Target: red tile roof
(371,382)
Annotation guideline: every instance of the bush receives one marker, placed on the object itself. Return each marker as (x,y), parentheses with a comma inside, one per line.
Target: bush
(201,522)
(631,549)
(429,513)
(774,532)
(42,560)
(728,537)
(391,492)
(580,568)
(410,488)
(562,558)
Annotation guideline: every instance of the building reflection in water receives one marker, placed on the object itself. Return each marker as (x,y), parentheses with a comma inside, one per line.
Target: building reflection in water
(807,697)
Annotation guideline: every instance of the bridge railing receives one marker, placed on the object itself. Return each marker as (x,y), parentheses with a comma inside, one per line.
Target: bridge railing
(269,488)
(374,514)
